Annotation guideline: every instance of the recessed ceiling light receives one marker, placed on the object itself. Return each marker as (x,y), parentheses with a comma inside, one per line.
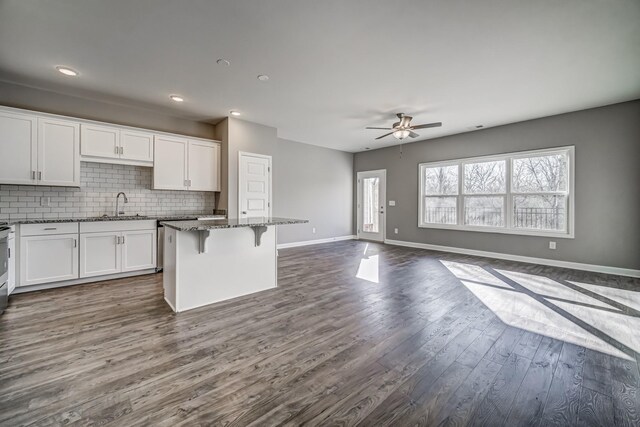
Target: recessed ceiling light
(67,71)
(367,148)
(263,77)
(234,113)
(479,126)
(176,98)
(224,62)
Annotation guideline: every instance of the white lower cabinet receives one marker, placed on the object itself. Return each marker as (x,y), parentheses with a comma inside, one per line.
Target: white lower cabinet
(139,250)
(117,247)
(100,254)
(48,258)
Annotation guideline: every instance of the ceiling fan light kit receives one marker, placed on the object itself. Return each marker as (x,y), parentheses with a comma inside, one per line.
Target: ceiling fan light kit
(403,128)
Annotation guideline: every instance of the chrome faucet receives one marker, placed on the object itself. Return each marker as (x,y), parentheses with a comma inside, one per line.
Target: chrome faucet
(118,211)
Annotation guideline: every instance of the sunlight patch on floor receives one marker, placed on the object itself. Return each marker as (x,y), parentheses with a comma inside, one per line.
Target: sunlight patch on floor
(521,310)
(623,296)
(368,269)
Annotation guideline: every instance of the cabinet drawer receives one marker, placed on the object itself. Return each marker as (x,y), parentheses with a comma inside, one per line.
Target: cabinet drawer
(106,226)
(50,228)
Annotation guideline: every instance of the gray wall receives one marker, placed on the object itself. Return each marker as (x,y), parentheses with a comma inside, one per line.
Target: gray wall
(607,187)
(308,182)
(29,98)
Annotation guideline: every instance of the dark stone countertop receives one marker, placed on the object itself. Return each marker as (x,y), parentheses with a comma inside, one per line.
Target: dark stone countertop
(113,218)
(231,223)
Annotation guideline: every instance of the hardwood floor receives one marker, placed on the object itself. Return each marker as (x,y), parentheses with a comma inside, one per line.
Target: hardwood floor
(356,334)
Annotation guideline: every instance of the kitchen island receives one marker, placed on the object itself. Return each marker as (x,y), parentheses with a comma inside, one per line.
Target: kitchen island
(214,260)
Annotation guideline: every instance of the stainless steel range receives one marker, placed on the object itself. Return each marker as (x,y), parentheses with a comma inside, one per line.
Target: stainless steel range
(4,265)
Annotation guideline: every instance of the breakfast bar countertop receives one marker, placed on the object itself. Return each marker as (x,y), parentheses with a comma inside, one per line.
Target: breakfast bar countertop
(230,223)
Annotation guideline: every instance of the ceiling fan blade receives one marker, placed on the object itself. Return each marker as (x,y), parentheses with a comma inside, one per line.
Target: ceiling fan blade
(428,125)
(386,134)
(369,127)
(413,134)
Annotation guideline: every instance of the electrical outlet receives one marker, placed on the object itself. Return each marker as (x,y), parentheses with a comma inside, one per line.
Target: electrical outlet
(313,230)
(392,202)
(45,201)
(395,230)
(552,245)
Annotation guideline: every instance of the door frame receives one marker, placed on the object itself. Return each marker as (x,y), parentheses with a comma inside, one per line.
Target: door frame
(270,172)
(383,196)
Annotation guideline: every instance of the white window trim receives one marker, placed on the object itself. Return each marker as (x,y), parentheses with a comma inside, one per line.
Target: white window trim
(569,233)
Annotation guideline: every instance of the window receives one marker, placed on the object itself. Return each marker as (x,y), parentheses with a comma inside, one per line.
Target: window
(519,193)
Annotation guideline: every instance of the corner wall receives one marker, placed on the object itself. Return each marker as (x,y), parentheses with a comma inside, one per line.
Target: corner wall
(607,184)
(309,182)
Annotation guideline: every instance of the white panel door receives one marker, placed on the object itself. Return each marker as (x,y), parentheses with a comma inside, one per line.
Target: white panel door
(100,141)
(170,163)
(254,185)
(58,152)
(204,169)
(100,253)
(18,148)
(136,145)
(50,258)
(138,250)
(371,205)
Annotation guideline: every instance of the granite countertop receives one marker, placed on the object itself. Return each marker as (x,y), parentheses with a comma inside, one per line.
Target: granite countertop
(230,223)
(193,217)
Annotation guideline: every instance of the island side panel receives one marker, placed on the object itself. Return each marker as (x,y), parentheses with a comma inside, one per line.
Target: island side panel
(233,266)
(169,268)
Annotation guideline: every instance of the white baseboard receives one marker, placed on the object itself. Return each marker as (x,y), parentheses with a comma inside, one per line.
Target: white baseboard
(530,260)
(314,242)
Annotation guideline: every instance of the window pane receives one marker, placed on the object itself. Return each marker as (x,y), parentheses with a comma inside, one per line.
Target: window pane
(441,180)
(539,212)
(485,177)
(484,210)
(440,210)
(370,196)
(540,174)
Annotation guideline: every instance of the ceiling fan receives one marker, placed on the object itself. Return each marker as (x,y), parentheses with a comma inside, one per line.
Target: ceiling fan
(403,128)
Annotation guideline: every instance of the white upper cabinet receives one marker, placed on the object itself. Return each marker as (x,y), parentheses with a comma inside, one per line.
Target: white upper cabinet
(184,164)
(100,141)
(204,166)
(110,144)
(170,163)
(136,145)
(58,152)
(18,148)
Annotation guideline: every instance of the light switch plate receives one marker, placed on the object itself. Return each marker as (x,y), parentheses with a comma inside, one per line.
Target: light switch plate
(552,245)
(392,202)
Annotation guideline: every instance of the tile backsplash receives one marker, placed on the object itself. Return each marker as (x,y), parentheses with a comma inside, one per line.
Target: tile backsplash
(99,185)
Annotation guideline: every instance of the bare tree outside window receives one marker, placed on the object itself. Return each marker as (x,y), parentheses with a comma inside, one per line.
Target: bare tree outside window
(539,188)
(441,189)
(487,182)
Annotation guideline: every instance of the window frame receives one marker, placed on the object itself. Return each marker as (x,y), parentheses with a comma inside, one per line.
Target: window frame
(509,196)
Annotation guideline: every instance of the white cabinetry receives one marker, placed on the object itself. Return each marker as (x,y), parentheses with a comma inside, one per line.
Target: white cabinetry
(18,144)
(116,247)
(184,164)
(39,150)
(58,152)
(100,254)
(48,258)
(110,144)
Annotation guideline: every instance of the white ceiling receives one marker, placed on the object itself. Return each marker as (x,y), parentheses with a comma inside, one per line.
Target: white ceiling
(334,66)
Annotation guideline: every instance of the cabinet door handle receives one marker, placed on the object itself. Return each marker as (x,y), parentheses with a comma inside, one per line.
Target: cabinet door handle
(123,240)
(117,240)
(75,243)
(51,228)
(33,174)
(117,150)
(39,175)
(121,150)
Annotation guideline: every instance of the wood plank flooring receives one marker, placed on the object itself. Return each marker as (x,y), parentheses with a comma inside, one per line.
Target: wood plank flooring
(356,333)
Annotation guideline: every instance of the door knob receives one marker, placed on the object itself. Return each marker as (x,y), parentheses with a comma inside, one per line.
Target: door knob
(244,212)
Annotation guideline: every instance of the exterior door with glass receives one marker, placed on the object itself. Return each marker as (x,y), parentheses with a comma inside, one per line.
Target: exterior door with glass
(372,189)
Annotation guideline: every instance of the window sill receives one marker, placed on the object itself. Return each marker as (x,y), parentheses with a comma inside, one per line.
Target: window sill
(517,232)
